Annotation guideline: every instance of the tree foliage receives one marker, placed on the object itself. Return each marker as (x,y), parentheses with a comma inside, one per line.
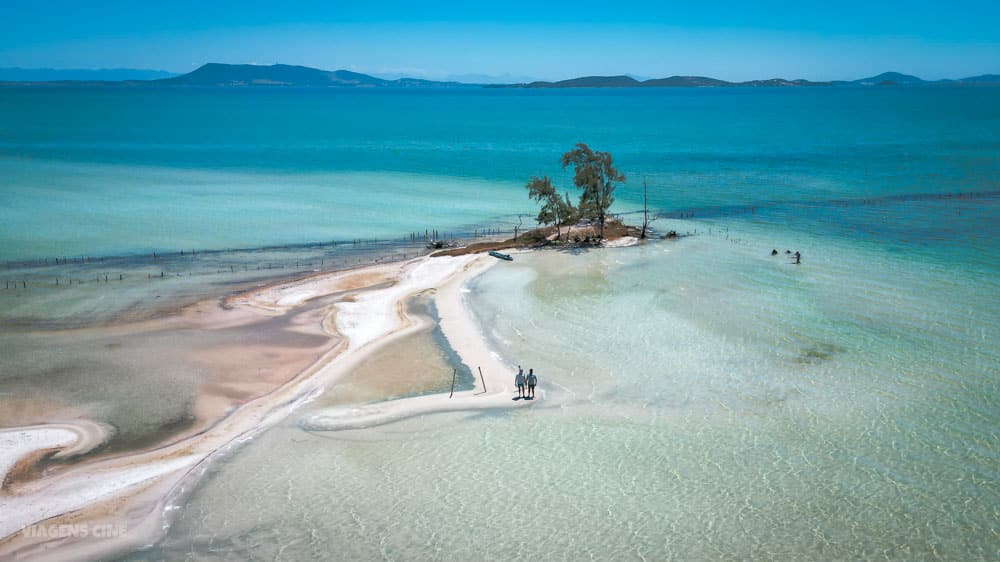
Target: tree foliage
(555,209)
(596,175)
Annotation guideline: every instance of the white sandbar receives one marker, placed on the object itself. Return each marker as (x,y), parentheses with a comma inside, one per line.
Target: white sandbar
(138,487)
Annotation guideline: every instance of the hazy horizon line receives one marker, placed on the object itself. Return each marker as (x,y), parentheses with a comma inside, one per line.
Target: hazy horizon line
(466,77)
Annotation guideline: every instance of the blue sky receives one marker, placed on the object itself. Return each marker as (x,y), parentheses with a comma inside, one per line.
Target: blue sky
(518,39)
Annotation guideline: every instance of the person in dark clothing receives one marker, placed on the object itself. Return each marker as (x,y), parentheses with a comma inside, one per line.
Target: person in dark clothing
(532,381)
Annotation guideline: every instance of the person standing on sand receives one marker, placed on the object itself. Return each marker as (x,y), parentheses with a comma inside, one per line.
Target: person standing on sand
(532,380)
(519,381)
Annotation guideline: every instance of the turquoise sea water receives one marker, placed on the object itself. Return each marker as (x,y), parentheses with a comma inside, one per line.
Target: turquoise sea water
(702,398)
(97,172)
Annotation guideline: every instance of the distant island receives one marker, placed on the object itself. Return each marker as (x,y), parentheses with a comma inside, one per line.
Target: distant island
(80,74)
(216,74)
(284,75)
(884,79)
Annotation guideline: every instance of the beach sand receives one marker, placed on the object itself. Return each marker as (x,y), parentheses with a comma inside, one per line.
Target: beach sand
(416,364)
(347,318)
(493,386)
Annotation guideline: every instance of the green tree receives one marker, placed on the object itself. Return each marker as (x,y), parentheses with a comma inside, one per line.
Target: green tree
(555,209)
(570,214)
(596,175)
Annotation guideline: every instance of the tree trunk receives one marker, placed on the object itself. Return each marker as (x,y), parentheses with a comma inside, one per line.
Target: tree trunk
(603,217)
(603,207)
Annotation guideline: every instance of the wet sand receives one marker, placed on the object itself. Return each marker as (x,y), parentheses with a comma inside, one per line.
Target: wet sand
(413,365)
(302,336)
(493,388)
(158,380)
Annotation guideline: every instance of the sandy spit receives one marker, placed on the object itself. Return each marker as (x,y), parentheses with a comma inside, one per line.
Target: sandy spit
(135,493)
(463,335)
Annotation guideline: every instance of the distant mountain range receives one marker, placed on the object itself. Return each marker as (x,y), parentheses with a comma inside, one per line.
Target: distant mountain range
(250,75)
(884,79)
(80,74)
(896,79)
(890,79)
(215,74)
(671,82)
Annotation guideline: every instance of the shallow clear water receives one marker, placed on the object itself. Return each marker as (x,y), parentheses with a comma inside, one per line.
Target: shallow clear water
(58,209)
(85,291)
(702,399)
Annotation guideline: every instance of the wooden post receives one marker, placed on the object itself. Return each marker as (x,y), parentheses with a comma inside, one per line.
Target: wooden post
(481,378)
(645,210)
(454,372)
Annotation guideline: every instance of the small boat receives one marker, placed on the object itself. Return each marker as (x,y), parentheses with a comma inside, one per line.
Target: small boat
(501,256)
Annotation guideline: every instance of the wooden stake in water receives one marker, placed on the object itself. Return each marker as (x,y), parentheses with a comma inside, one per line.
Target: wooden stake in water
(454,372)
(481,378)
